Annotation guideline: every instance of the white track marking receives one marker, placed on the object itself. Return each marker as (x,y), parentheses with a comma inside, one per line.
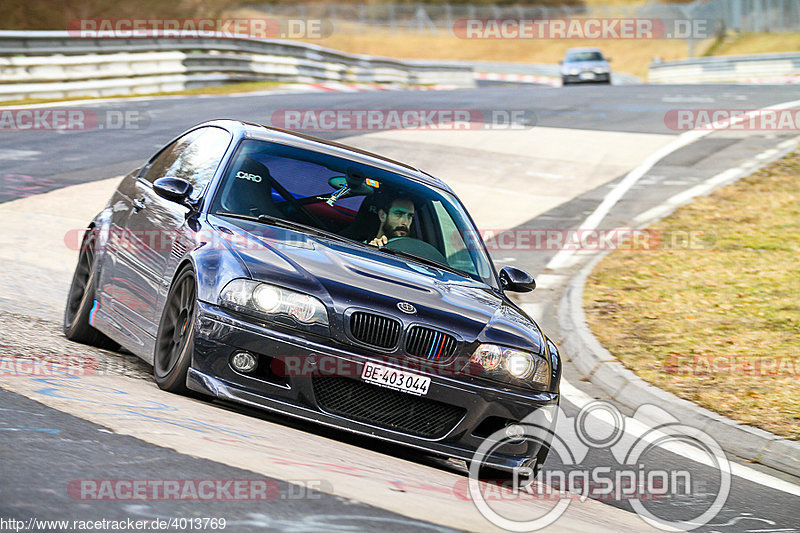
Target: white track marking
(566,258)
(578,398)
(723,178)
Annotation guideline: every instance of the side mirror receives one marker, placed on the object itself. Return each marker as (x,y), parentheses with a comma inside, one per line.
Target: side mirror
(608,59)
(173,189)
(516,280)
(561,62)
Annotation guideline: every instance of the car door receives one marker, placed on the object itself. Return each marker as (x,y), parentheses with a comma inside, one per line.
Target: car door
(154,223)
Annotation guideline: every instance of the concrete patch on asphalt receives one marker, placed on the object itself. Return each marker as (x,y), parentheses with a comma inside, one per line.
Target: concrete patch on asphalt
(39,263)
(507,177)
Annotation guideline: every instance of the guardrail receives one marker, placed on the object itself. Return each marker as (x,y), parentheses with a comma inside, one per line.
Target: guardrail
(760,68)
(52,64)
(539,73)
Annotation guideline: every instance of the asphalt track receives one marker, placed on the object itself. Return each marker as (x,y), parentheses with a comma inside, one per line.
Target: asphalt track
(55,431)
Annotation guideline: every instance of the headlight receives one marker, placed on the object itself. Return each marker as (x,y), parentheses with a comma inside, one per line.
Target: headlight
(488,356)
(501,363)
(601,70)
(265,299)
(574,71)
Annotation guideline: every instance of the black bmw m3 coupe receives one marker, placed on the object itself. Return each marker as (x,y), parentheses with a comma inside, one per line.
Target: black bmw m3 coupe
(297,275)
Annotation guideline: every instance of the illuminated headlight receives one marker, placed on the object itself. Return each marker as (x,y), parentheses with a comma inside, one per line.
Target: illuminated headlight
(249,295)
(520,364)
(499,363)
(574,71)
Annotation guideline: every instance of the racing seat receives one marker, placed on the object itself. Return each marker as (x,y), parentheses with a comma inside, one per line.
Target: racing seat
(365,224)
(250,192)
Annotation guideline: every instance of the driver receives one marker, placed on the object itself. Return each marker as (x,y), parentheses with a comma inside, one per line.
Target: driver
(395,220)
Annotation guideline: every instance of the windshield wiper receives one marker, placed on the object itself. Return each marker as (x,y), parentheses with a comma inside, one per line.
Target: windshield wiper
(425,260)
(282,222)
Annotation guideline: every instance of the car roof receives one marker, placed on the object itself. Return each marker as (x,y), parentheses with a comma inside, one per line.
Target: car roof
(584,49)
(267,133)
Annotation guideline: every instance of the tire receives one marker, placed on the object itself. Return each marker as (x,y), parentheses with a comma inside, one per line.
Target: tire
(80,299)
(175,339)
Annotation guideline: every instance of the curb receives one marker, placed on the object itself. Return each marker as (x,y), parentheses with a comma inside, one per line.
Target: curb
(622,385)
(628,389)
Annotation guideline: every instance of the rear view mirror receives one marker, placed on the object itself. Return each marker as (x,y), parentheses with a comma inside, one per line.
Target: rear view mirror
(516,280)
(173,189)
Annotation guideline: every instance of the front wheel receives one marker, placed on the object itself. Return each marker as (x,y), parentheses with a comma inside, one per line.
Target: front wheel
(175,339)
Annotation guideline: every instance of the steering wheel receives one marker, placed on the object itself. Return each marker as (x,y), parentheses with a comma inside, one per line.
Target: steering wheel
(416,247)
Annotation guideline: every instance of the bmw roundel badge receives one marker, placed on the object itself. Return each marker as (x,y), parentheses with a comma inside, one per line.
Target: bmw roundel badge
(407,308)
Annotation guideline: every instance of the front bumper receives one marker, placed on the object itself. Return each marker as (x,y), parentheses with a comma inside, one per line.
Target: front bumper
(220,333)
(584,78)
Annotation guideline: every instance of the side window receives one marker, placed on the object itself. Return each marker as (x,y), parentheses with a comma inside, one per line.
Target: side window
(199,160)
(160,165)
(194,157)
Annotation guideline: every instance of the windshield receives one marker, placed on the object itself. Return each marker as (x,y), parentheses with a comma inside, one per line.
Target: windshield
(354,201)
(575,57)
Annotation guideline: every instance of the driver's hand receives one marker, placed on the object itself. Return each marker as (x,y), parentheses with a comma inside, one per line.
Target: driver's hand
(379,241)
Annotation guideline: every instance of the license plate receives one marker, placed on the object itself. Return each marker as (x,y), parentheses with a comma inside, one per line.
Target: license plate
(587,75)
(391,378)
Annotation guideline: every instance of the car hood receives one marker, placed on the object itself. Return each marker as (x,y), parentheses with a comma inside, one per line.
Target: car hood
(347,276)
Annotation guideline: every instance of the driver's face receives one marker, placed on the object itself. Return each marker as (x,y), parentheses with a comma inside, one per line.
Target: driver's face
(398,220)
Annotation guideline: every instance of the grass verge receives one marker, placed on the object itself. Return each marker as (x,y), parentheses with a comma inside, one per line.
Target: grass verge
(719,326)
